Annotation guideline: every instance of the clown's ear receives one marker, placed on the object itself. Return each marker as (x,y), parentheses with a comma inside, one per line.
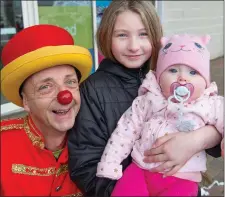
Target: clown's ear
(205,39)
(163,41)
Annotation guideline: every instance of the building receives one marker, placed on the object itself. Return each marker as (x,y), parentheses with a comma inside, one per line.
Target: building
(197,17)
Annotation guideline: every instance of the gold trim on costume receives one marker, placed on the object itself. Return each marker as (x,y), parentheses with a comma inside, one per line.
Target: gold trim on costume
(62,169)
(79,194)
(57,153)
(36,140)
(12,126)
(34,171)
(8,119)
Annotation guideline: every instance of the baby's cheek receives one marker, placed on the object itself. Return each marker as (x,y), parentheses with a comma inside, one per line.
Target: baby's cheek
(198,91)
(166,92)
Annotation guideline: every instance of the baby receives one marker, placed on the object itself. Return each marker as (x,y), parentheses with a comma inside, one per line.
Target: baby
(177,98)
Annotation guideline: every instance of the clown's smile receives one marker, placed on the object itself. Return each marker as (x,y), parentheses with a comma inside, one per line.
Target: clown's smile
(63,115)
(60,112)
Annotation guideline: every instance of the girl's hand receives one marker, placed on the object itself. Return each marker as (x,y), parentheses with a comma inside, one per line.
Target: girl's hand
(222,148)
(174,150)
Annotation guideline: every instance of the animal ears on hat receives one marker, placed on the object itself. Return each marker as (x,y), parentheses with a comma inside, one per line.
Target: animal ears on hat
(163,41)
(205,39)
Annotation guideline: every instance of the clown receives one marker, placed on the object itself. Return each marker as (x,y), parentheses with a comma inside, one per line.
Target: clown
(42,71)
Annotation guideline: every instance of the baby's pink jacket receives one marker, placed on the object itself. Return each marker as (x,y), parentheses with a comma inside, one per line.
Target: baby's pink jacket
(152,116)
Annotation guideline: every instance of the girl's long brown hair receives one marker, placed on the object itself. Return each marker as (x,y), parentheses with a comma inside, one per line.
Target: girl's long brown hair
(149,17)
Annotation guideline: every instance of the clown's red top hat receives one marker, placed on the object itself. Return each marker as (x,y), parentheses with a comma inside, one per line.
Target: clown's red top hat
(34,49)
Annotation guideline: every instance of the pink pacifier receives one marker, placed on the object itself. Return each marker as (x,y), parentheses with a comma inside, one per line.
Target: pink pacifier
(181,92)
(65,97)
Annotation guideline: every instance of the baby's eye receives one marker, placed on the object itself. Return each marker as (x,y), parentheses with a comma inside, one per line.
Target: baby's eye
(193,72)
(173,70)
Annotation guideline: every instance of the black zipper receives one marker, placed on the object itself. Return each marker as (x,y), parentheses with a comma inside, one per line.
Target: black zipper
(140,75)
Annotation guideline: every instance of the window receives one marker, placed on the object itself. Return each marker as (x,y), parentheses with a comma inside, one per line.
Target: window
(74,16)
(11,22)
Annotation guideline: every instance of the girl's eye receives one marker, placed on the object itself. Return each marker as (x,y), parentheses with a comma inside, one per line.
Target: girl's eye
(193,72)
(122,35)
(173,70)
(143,34)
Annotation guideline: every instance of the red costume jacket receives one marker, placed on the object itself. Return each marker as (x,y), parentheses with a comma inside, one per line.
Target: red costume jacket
(27,168)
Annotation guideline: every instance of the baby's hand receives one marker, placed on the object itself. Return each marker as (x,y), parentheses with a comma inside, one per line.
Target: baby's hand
(222,148)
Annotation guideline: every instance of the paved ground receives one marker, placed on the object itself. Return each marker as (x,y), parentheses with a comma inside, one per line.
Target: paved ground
(215,167)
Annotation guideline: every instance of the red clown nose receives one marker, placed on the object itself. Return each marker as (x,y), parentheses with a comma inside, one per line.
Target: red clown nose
(65,97)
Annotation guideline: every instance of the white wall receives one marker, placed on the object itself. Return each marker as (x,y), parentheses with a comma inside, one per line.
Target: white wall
(195,17)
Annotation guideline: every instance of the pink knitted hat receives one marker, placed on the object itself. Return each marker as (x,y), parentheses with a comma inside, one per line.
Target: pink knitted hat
(187,50)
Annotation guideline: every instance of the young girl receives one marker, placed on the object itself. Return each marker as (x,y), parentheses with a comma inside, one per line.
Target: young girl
(179,97)
(129,37)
